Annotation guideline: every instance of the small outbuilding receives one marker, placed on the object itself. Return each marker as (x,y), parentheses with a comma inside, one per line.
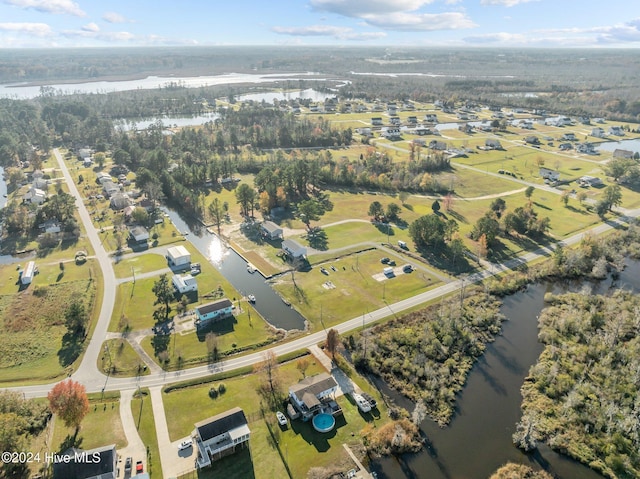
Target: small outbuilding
(28,273)
(178,256)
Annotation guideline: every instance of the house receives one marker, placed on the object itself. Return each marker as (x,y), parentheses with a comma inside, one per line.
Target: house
(532,140)
(568,137)
(28,273)
(376,121)
(271,230)
(616,130)
(437,145)
(184,284)
(598,132)
(119,201)
(548,174)
(308,395)
(587,148)
(492,144)
(103,177)
(50,226)
(84,154)
(412,120)
(35,196)
(365,132)
(40,183)
(294,249)
(220,435)
(391,133)
(392,108)
(421,130)
(98,463)
(565,146)
(618,153)
(586,181)
(395,121)
(178,256)
(110,188)
(139,234)
(211,312)
(431,118)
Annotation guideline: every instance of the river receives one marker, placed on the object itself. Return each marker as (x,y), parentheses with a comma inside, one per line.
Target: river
(234,268)
(478,439)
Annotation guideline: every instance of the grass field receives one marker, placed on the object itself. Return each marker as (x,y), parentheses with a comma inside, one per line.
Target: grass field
(298,445)
(144,421)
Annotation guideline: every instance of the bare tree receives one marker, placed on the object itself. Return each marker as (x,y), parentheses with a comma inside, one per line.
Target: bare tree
(333,341)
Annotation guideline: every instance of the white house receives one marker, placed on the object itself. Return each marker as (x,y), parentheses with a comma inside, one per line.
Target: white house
(119,201)
(110,188)
(184,284)
(620,153)
(586,181)
(271,230)
(391,133)
(598,132)
(211,312)
(220,435)
(308,395)
(28,273)
(616,130)
(178,256)
(294,249)
(139,234)
(492,144)
(103,177)
(548,174)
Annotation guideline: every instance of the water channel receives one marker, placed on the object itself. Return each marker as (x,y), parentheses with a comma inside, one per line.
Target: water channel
(478,439)
(234,268)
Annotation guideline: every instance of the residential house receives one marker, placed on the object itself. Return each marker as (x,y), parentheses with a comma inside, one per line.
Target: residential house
(422,130)
(395,121)
(103,177)
(437,145)
(40,183)
(294,249)
(220,436)
(84,154)
(392,108)
(309,395)
(616,130)
(139,234)
(618,153)
(598,132)
(35,196)
(391,133)
(465,128)
(565,146)
(271,230)
(599,120)
(365,132)
(98,463)
(110,188)
(184,284)
(412,120)
(431,118)
(376,121)
(212,312)
(548,174)
(119,201)
(492,144)
(52,225)
(178,256)
(586,181)
(532,140)
(587,148)
(568,137)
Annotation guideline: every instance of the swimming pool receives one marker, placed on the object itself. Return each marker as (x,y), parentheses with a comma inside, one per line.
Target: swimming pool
(323,422)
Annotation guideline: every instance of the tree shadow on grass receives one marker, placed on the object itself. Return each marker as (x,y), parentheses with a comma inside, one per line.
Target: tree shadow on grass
(160,343)
(318,239)
(220,327)
(69,442)
(70,350)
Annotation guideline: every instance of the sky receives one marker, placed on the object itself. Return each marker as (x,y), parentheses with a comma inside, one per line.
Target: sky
(423,23)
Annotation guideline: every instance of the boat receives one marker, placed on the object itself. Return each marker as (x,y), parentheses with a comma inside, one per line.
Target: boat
(286,301)
(362,403)
(251,298)
(251,268)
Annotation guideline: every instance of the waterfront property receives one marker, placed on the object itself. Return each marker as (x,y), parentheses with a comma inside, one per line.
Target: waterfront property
(271,230)
(139,234)
(312,395)
(220,436)
(211,312)
(178,256)
(99,463)
(294,249)
(184,283)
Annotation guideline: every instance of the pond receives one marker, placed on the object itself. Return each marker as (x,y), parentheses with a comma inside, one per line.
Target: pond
(478,439)
(234,268)
(632,145)
(269,97)
(167,121)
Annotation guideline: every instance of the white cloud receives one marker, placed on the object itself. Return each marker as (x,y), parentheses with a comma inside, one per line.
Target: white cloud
(91,27)
(359,8)
(452,2)
(501,37)
(111,37)
(49,6)
(420,22)
(505,3)
(341,33)
(35,29)
(113,17)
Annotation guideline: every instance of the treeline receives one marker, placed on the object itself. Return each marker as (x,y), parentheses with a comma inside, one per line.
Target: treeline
(427,355)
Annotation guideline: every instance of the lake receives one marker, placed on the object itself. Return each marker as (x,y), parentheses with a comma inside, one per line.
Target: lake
(24,91)
(478,439)
(632,145)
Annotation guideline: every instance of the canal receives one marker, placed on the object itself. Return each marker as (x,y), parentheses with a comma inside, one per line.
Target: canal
(478,439)
(234,268)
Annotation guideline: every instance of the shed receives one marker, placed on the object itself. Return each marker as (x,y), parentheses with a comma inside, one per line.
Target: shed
(178,256)
(28,273)
(185,283)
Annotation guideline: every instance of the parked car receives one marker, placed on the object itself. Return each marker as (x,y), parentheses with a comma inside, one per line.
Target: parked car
(127,463)
(282,419)
(139,467)
(384,260)
(407,268)
(186,444)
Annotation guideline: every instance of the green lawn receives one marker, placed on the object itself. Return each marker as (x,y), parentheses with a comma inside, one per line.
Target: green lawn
(144,263)
(298,445)
(354,290)
(120,359)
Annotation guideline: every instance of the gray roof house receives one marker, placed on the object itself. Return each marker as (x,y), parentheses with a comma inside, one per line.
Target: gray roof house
(294,249)
(307,396)
(271,230)
(98,463)
(220,435)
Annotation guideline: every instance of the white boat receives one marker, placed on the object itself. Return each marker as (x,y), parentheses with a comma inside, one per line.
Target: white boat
(251,298)
(362,403)
(251,268)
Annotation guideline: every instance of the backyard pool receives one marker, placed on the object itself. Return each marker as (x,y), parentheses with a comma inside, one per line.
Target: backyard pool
(323,422)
